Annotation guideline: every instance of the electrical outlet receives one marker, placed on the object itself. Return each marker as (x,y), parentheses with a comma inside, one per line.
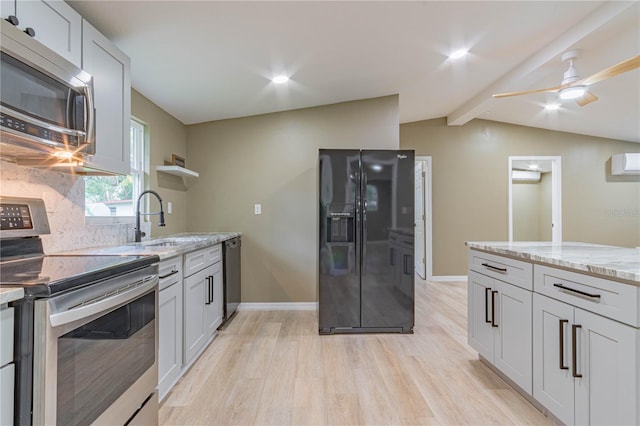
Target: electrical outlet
(169,207)
(257,209)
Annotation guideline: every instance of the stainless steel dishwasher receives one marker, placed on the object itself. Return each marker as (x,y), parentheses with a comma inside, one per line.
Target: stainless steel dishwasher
(232,289)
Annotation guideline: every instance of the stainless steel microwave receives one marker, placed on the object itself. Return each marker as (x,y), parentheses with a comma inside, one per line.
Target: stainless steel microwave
(47,107)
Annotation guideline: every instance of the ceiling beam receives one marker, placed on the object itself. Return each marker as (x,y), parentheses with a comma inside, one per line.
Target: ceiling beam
(481,102)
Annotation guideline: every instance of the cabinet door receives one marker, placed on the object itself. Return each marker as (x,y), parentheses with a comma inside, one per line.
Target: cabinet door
(512,352)
(607,392)
(480,332)
(7,391)
(170,337)
(195,291)
(56,25)
(214,307)
(110,69)
(552,357)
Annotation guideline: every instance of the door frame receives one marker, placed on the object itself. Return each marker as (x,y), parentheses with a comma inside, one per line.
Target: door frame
(556,194)
(428,235)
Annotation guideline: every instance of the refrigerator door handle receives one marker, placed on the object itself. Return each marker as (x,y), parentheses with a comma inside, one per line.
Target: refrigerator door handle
(364,224)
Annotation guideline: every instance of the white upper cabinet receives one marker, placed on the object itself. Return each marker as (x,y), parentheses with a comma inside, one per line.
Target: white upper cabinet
(110,69)
(53,23)
(7,8)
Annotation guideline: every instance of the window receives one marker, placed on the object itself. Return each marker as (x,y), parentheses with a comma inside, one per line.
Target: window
(109,196)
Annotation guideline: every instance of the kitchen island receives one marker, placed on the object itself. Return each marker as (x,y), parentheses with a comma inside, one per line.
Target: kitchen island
(561,323)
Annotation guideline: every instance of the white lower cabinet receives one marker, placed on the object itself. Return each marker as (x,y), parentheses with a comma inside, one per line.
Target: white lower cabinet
(573,342)
(202,300)
(170,325)
(499,326)
(585,365)
(7,366)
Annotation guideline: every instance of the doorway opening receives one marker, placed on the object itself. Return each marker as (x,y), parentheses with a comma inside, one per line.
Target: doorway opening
(423,218)
(535,199)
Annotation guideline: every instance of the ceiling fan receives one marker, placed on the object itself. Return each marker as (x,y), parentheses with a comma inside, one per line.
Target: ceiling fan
(575,87)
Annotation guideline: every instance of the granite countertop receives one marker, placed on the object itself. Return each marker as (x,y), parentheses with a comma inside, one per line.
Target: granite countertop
(609,261)
(163,247)
(9,294)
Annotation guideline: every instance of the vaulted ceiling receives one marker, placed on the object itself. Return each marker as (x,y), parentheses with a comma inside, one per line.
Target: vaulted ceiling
(212,60)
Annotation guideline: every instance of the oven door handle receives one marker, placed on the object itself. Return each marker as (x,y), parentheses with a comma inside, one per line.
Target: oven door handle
(105,303)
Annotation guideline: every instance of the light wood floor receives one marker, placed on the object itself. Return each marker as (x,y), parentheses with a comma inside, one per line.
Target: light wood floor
(272,368)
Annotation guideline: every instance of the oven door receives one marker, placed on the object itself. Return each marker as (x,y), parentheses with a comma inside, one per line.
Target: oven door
(95,351)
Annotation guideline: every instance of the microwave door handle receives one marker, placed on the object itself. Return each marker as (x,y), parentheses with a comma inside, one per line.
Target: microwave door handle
(89,118)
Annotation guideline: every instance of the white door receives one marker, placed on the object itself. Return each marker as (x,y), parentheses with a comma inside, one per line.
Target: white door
(420,263)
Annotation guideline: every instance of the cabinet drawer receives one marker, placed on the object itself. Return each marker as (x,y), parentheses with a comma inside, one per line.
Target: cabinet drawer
(170,272)
(198,260)
(6,336)
(513,271)
(608,298)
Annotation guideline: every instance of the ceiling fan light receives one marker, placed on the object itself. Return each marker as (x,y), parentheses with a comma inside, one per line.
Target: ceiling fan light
(572,92)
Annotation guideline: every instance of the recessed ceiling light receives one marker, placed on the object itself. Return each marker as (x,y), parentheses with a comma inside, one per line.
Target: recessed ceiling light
(552,107)
(279,79)
(458,53)
(533,166)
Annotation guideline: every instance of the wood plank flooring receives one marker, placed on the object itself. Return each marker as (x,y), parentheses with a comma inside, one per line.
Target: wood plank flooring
(272,368)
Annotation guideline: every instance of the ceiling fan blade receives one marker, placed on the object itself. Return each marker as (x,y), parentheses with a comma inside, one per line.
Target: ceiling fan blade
(526,92)
(587,98)
(612,71)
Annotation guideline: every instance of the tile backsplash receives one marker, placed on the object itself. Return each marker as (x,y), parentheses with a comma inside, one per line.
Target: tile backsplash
(63,195)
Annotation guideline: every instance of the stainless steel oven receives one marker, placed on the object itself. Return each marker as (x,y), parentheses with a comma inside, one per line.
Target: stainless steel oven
(86,331)
(95,352)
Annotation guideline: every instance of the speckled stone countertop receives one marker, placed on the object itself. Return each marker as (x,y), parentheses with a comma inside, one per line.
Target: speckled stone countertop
(163,247)
(609,261)
(9,294)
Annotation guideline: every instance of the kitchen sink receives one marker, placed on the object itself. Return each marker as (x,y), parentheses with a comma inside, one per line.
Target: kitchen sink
(164,244)
(172,241)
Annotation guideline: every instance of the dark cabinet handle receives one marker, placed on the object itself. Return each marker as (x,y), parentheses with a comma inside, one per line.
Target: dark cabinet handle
(30,32)
(487,291)
(13,20)
(495,268)
(595,296)
(211,287)
(493,309)
(169,274)
(208,302)
(574,348)
(562,322)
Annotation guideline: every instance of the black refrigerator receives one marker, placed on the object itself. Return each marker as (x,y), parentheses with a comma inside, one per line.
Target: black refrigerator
(366,233)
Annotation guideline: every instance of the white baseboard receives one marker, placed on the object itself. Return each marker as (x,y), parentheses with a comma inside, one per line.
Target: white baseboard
(279,306)
(449,278)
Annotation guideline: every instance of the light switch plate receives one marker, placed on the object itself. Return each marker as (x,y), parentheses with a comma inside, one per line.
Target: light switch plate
(169,207)
(257,208)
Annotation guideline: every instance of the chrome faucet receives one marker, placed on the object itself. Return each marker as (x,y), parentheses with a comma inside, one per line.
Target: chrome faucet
(138,233)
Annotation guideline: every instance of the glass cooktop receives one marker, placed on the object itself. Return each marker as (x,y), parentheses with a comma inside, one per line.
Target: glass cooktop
(47,275)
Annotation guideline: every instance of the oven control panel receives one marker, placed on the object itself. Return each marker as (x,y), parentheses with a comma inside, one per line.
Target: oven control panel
(22,217)
(15,216)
